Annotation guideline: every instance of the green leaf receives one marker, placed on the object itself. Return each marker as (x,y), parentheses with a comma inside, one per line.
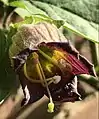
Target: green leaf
(87,9)
(22,12)
(73,22)
(36,18)
(7,76)
(5,1)
(31,9)
(28,20)
(3,44)
(81,16)
(20,4)
(84,33)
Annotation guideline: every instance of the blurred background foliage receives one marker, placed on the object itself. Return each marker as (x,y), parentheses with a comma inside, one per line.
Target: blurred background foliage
(77,19)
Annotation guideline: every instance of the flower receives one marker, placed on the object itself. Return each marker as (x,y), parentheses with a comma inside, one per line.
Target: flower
(46,65)
(51,69)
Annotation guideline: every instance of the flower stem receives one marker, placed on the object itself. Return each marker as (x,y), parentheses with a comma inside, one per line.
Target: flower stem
(91,80)
(93,53)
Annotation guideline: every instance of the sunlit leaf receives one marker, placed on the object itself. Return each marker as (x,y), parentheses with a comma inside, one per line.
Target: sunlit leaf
(5,1)
(81,21)
(32,9)
(28,20)
(22,12)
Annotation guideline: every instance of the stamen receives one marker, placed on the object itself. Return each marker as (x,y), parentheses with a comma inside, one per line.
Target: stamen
(51,104)
(38,67)
(54,61)
(29,78)
(49,80)
(42,80)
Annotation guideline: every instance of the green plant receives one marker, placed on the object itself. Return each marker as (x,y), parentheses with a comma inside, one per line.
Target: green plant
(63,14)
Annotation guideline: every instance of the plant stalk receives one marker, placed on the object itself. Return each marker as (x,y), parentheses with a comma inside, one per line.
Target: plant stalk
(93,53)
